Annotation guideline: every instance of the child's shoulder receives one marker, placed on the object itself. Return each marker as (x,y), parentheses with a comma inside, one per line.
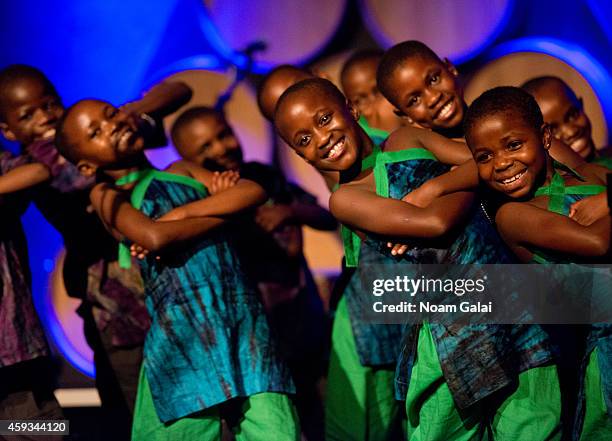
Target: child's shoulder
(401,139)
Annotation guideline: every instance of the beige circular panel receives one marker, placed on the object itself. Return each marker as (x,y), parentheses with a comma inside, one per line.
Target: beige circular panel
(242,113)
(514,69)
(454,29)
(294,31)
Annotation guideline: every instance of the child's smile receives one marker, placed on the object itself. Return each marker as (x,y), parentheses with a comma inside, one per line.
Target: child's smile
(320,130)
(427,93)
(510,154)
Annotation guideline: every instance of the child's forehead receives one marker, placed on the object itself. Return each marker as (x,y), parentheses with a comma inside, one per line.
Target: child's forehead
(555,91)
(25,89)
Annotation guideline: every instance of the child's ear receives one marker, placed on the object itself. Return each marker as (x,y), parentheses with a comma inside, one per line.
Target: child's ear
(451,67)
(86,168)
(546,136)
(354,112)
(6,132)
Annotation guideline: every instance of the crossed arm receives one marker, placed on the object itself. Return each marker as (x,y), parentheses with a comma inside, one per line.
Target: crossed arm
(359,207)
(524,226)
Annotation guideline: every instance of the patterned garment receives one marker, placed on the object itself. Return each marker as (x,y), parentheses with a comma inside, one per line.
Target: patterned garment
(209,339)
(599,335)
(477,360)
(21,334)
(90,270)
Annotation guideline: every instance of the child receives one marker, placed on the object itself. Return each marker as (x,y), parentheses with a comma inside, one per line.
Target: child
(564,114)
(209,342)
(509,141)
(26,383)
(358,77)
(270,248)
(426,91)
(113,307)
(443,400)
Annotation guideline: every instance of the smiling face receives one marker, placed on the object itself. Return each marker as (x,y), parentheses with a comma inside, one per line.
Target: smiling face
(510,153)
(564,114)
(209,141)
(427,92)
(30,111)
(103,135)
(320,129)
(359,85)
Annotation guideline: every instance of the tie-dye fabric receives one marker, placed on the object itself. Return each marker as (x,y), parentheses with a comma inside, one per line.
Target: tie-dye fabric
(477,360)
(598,336)
(209,339)
(21,334)
(116,295)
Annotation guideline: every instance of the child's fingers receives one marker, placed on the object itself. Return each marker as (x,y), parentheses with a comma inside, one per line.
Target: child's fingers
(399,249)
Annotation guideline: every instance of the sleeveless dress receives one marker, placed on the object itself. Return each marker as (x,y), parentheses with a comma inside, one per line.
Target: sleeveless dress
(477,360)
(595,364)
(209,340)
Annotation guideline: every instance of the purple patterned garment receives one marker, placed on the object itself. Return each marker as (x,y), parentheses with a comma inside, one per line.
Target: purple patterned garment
(21,334)
(90,267)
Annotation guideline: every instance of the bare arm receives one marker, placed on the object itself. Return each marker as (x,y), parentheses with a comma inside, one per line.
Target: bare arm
(360,208)
(242,196)
(446,150)
(23,177)
(161,100)
(461,178)
(526,226)
(124,221)
(564,154)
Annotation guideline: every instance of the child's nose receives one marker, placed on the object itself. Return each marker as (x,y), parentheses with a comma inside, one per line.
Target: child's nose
(432,98)
(501,162)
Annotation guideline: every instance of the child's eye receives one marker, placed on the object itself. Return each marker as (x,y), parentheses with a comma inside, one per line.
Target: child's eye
(483,157)
(434,79)
(514,145)
(412,101)
(304,140)
(325,119)
(25,116)
(94,133)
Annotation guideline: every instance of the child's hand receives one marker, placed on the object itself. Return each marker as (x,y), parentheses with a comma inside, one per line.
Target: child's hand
(423,196)
(270,217)
(138,252)
(589,209)
(223,180)
(397,249)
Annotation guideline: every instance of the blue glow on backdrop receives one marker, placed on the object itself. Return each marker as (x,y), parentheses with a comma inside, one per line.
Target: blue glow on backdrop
(113,48)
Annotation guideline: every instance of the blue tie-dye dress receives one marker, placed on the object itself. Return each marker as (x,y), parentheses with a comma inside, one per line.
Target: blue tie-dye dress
(476,360)
(209,340)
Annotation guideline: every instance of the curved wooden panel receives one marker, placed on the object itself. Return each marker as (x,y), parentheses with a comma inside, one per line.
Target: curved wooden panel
(514,69)
(457,30)
(293,31)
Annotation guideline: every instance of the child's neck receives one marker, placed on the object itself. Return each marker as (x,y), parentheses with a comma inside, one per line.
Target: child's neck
(355,172)
(118,173)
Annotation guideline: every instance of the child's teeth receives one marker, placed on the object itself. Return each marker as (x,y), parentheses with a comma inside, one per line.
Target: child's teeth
(445,110)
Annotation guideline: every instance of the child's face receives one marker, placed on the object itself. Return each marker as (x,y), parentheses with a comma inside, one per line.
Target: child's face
(510,154)
(320,130)
(567,120)
(427,92)
(104,135)
(210,139)
(359,85)
(30,112)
